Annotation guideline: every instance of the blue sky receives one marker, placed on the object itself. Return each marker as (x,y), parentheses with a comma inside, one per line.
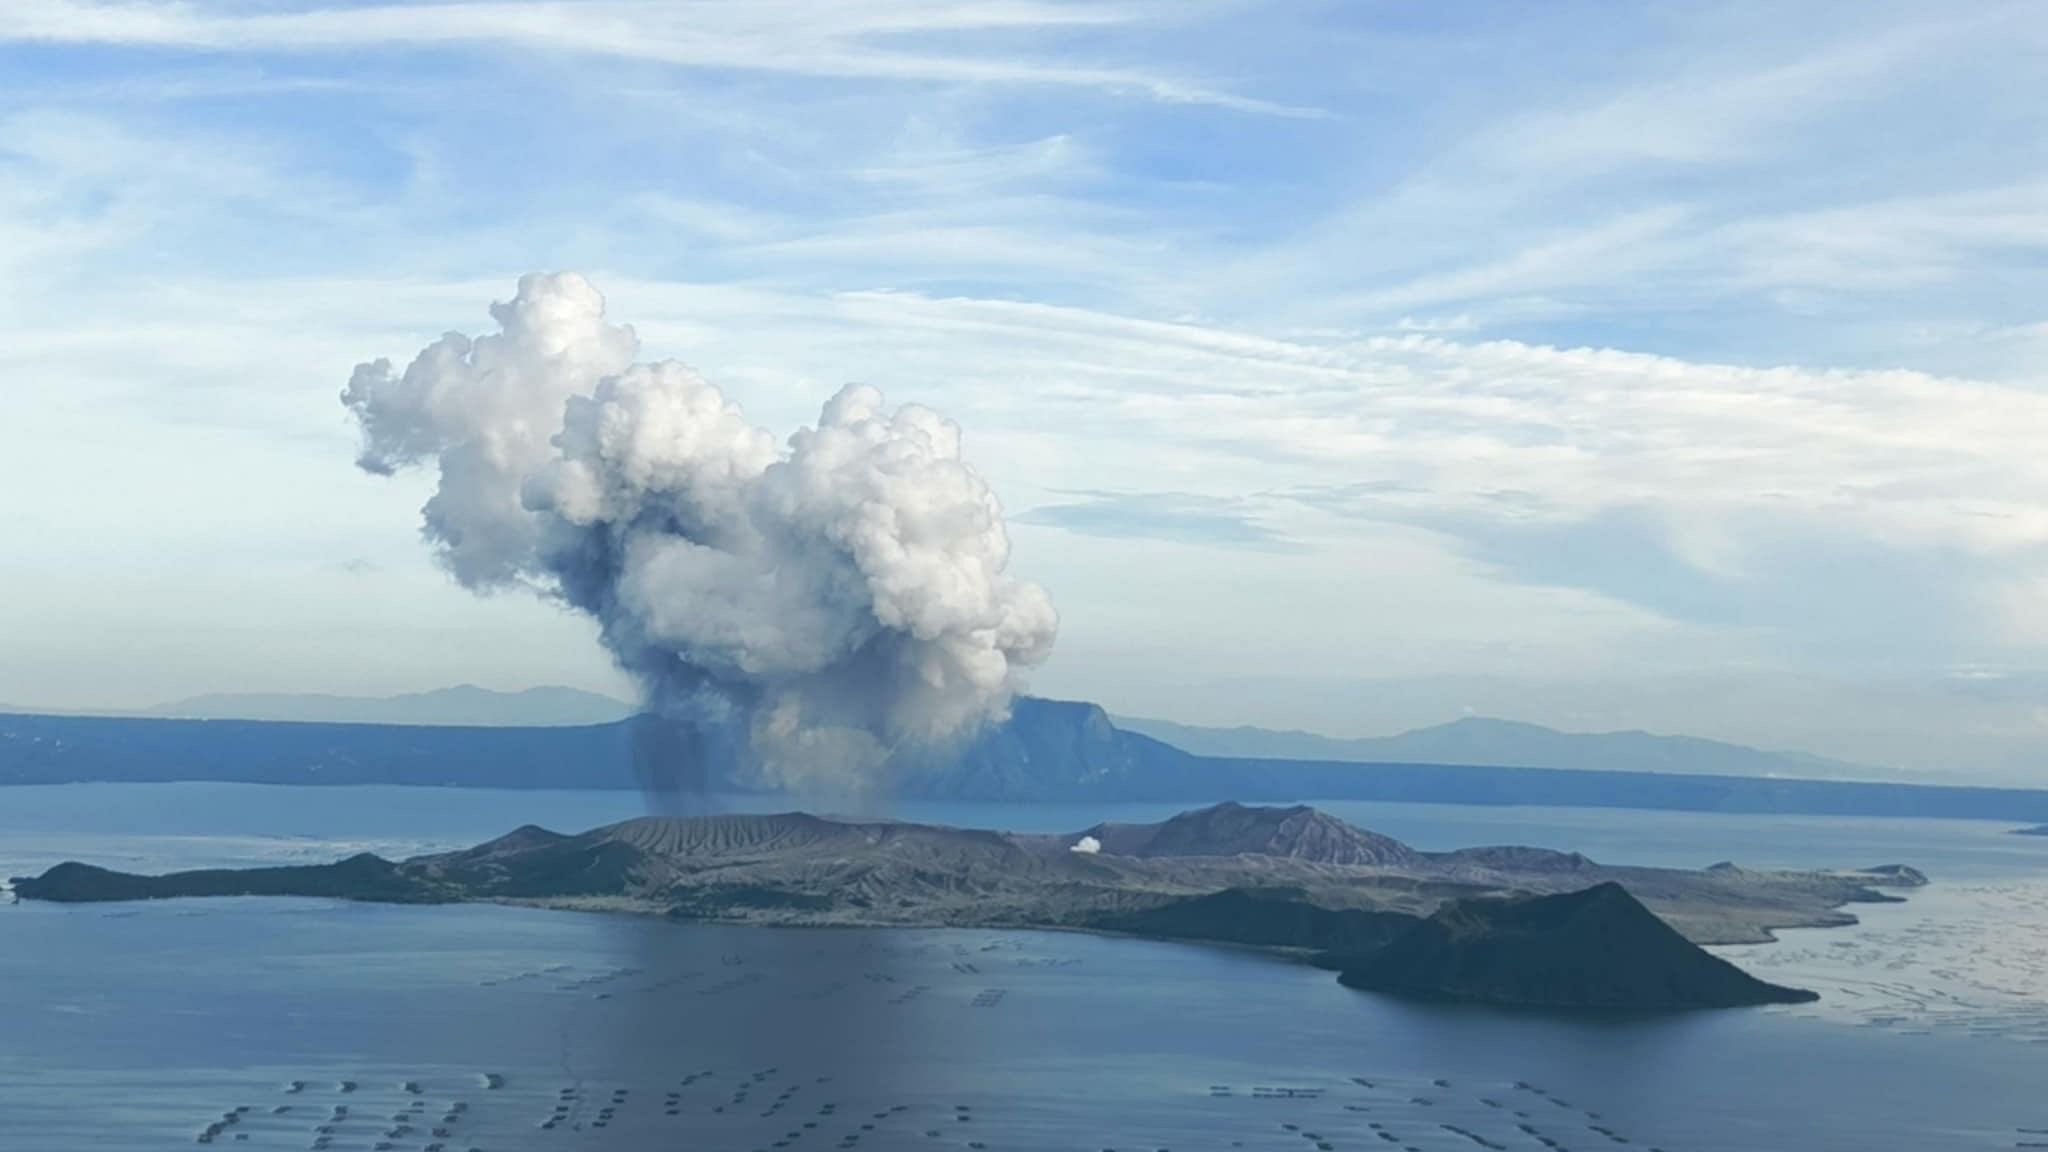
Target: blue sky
(1346,366)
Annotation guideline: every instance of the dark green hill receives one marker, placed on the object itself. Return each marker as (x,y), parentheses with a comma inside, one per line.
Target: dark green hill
(362,877)
(1263,918)
(1597,948)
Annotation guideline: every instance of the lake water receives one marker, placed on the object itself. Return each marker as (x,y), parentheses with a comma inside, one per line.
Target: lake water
(330,1026)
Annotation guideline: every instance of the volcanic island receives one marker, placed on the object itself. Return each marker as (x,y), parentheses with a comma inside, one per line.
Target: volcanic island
(1509,926)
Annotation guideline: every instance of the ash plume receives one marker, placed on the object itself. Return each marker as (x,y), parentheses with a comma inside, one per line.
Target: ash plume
(825,602)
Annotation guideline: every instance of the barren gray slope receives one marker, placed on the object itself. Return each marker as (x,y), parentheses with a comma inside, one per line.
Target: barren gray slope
(795,868)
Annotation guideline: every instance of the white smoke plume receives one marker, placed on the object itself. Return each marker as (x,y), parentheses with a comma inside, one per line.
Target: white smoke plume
(833,600)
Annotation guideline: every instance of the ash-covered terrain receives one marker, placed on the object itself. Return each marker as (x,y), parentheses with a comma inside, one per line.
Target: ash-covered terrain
(1281,878)
(1594,948)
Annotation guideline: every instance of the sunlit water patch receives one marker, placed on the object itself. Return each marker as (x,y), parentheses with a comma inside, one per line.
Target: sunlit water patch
(1957,956)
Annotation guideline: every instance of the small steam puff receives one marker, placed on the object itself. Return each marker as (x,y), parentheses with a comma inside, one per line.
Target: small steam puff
(1086,846)
(834,600)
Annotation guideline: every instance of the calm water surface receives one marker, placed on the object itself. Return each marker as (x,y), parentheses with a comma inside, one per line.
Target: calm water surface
(320,1025)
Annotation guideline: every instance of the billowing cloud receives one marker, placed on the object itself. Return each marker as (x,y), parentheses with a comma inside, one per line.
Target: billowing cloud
(835,599)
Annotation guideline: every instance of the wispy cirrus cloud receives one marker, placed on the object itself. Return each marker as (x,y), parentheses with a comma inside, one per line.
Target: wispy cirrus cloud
(1178,516)
(842,39)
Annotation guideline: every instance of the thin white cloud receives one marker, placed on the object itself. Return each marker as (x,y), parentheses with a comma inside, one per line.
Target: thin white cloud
(942,164)
(1722,112)
(1913,460)
(850,39)
(1669,175)
(1895,242)
(1605,252)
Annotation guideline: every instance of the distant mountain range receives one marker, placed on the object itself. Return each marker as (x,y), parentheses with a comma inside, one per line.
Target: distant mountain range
(1049,750)
(1470,741)
(1506,743)
(464,704)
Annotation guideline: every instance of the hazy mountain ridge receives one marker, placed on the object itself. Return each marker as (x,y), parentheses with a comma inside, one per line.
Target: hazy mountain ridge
(462,705)
(1049,750)
(1486,741)
(1483,741)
